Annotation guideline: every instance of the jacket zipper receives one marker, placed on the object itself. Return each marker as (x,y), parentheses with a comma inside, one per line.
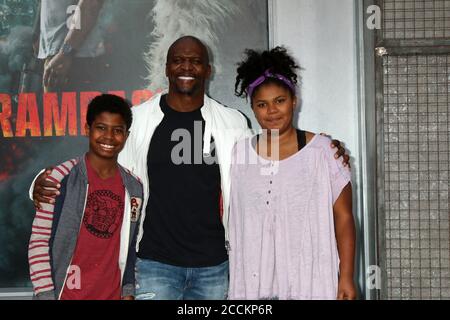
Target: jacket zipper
(127,195)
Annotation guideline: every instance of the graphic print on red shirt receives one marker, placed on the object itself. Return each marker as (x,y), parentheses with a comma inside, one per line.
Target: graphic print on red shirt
(103,207)
(96,254)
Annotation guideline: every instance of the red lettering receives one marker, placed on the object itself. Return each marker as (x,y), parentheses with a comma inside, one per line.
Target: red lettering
(60,114)
(85,98)
(140,96)
(5,114)
(118,93)
(27,106)
(52,112)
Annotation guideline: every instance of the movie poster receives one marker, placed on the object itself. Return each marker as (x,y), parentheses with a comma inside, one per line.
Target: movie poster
(123,53)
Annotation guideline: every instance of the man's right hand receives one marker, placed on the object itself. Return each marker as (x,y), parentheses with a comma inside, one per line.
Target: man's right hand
(45,190)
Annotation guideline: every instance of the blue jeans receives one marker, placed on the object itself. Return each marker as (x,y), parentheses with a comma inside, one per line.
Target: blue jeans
(159,281)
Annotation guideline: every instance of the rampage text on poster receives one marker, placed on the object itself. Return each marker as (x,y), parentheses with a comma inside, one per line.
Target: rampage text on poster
(58,114)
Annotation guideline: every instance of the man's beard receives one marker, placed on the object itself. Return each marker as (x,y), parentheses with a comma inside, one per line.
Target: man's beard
(191,91)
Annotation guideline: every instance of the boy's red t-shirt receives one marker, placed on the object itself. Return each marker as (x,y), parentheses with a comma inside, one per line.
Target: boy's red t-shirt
(96,256)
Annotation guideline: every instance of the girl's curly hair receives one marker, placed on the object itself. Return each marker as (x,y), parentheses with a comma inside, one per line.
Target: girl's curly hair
(277,61)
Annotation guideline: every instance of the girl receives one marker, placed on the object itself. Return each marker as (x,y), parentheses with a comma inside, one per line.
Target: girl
(292,232)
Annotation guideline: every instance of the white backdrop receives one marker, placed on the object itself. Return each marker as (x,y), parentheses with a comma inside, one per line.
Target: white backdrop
(322,35)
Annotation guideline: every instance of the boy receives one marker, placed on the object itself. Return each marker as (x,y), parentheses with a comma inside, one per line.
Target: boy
(83,245)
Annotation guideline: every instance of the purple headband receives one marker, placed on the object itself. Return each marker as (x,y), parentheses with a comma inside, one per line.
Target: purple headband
(268,74)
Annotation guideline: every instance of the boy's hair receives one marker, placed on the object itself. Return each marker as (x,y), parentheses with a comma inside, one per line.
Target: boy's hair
(112,104)
(256,63)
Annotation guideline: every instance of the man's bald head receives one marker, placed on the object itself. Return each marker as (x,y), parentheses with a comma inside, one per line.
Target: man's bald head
(188,39)
(187,67)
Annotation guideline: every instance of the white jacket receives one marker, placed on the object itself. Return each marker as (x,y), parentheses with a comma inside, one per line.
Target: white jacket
(226,125)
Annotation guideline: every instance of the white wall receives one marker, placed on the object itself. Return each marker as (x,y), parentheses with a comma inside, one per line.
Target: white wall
(322,35)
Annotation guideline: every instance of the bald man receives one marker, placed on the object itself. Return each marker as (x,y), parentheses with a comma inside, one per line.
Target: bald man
(180,146)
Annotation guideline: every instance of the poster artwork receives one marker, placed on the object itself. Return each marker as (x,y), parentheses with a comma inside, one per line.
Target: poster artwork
(42,124)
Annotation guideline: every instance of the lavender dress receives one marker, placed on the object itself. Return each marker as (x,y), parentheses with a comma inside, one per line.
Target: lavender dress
(281,223)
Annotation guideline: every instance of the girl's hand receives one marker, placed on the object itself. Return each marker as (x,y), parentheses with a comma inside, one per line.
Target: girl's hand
(346,289)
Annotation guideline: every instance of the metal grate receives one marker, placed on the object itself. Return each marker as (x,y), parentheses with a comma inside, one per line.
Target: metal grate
(416,19)
(416,176)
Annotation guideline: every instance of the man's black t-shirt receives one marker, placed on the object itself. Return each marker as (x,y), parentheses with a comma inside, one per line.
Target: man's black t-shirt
(182,226)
